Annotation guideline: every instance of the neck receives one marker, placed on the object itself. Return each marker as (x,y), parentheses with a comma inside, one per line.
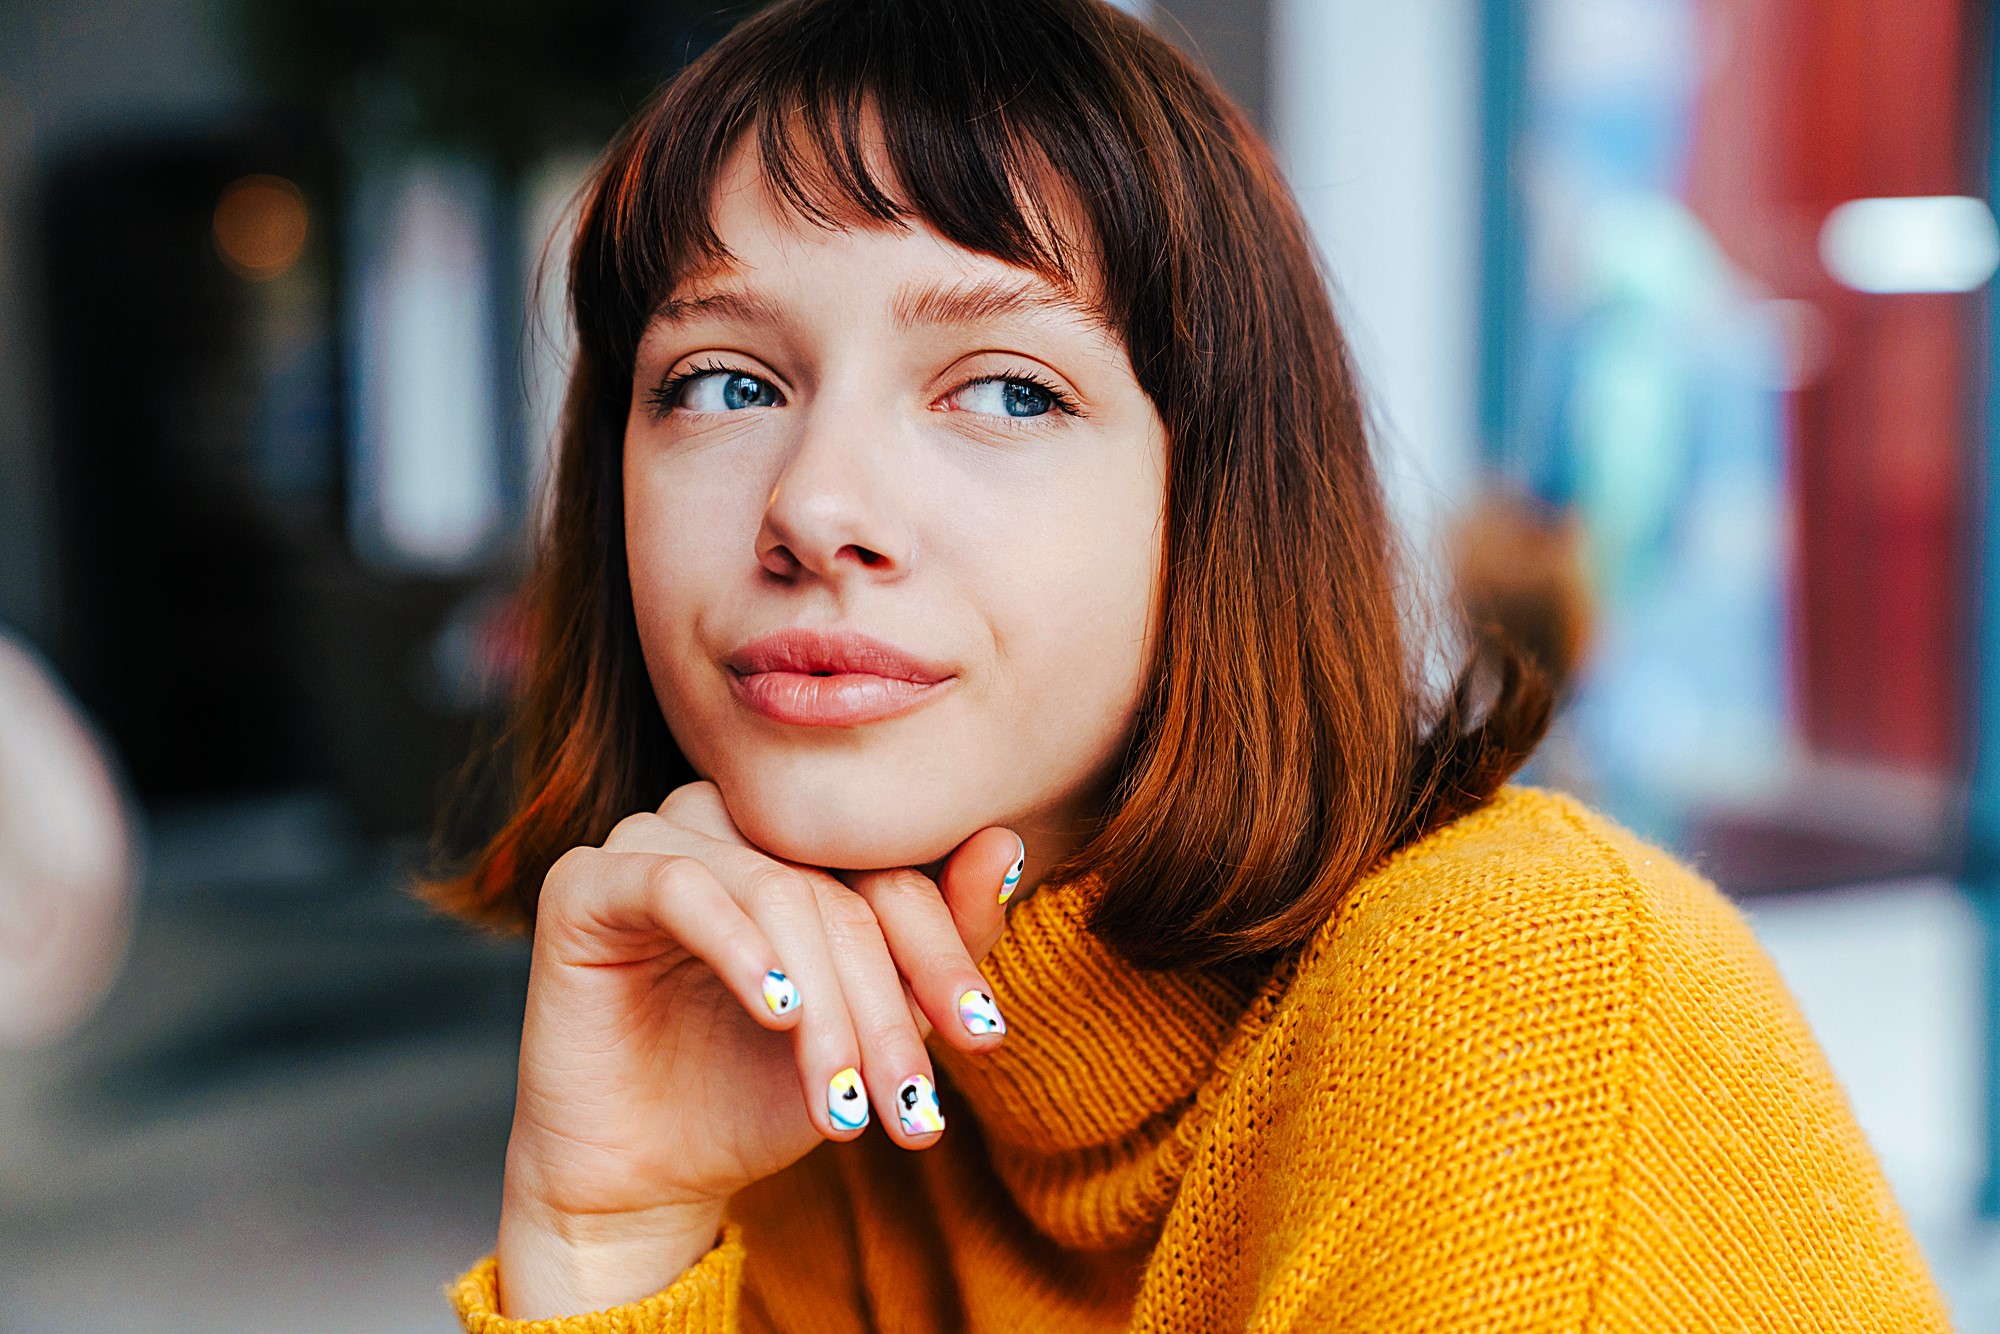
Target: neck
(1053,834)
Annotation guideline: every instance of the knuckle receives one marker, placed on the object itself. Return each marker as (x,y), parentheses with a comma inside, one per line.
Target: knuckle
(691,799)
(569,866)
(630,827)
(891,1030)
(570,870)
(942,959)
(649,831)
(670,878)
(906,883)
(780,886)
(847,914)
(568,887)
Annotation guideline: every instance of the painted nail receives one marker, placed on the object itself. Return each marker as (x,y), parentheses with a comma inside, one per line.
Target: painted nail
(847,1100)
(979,1014)
(917,1106)
(1013,880)
(779,993)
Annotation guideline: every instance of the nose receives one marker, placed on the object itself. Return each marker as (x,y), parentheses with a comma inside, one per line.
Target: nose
(832,513)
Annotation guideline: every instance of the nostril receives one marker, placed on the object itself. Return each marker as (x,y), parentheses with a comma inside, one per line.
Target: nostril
(780,561)
(865,556)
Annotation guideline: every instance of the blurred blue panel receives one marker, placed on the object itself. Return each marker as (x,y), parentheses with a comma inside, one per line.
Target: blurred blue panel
(1503,46)
(1982,840)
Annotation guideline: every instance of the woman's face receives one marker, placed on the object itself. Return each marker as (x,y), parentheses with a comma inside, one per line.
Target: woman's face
(894,514)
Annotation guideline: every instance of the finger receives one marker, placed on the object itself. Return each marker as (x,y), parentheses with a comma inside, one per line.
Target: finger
(692,808)
(784,903)
(644,831)
(893,1059)
(922,936)
(978,879)
(606,905)
(699,806)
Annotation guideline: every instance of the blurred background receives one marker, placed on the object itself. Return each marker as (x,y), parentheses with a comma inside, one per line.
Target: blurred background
(1676,318)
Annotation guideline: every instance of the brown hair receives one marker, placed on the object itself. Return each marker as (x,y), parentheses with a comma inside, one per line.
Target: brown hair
(1286,742)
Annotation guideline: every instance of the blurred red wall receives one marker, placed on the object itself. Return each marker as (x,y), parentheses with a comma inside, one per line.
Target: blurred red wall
(1812,103)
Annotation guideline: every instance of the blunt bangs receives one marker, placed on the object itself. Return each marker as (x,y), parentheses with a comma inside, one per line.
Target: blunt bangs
(985,117)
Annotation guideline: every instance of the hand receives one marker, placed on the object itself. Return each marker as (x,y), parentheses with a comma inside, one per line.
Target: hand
(699,1016)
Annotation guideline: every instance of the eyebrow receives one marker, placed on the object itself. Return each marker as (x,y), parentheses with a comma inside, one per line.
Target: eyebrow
(933,303)
(944,303)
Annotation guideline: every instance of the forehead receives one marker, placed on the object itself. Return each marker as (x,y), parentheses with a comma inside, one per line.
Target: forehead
(764,235)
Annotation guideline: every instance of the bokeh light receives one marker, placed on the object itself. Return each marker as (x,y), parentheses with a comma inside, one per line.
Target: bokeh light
(260,226)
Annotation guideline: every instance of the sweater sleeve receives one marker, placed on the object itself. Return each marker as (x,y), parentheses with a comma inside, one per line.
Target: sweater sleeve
(1744,1195)
(703,1300)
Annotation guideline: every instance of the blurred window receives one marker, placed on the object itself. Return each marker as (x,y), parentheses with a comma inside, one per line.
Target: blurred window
(1737,343)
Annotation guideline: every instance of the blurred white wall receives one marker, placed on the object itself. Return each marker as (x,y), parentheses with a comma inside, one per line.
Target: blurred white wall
(1375,113)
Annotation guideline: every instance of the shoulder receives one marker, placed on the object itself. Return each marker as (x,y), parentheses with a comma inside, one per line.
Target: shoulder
(1532,890)
(1522,927)
(1537,915)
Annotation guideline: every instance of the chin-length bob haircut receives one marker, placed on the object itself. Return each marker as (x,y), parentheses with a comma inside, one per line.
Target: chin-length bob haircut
(1286,741)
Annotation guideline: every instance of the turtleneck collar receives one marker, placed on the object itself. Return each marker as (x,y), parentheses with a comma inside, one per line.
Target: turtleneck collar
(1090,1107)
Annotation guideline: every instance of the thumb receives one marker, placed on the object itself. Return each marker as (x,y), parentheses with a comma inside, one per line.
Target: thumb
(978,878)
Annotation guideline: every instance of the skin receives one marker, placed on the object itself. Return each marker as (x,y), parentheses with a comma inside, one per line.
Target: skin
(980,484)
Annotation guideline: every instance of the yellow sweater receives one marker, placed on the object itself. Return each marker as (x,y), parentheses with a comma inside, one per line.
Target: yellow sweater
(1531,1075)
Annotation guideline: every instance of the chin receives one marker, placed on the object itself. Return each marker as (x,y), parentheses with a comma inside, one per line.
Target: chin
(846,826)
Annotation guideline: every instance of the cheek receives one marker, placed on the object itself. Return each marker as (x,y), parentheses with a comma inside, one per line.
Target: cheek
(685,537)
(1075,639)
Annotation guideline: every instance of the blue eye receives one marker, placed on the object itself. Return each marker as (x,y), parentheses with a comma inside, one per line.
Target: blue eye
(1008,397)
(722,391)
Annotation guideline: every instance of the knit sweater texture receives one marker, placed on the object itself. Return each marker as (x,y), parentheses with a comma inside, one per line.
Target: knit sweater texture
(1532,1074)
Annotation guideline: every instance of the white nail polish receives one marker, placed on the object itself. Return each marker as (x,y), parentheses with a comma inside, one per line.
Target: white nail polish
(1013,880)
(847,1100)
(917,1106)
(978,1013)
(779,993)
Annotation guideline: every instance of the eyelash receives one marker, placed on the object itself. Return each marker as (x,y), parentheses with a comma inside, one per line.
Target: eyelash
(662,396)
(1064,403)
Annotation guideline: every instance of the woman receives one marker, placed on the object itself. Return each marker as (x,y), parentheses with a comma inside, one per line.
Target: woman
(965,512)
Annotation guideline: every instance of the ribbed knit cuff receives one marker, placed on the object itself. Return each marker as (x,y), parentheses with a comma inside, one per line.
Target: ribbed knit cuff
(701,1301)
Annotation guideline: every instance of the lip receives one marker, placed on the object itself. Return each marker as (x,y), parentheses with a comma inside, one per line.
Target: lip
(822,678)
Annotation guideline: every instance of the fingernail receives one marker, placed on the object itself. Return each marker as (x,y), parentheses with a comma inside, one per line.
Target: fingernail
(979,1014)
(847,1100)
(917,1106)
(1013,880)
(779,993)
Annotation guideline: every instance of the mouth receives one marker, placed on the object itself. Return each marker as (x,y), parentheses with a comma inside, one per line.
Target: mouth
(818,678)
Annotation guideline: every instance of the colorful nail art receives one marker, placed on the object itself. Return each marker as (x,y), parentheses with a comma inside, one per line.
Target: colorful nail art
(847,1100)
(779,993)
(1013,880)
(917,1106)
(979,1014)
